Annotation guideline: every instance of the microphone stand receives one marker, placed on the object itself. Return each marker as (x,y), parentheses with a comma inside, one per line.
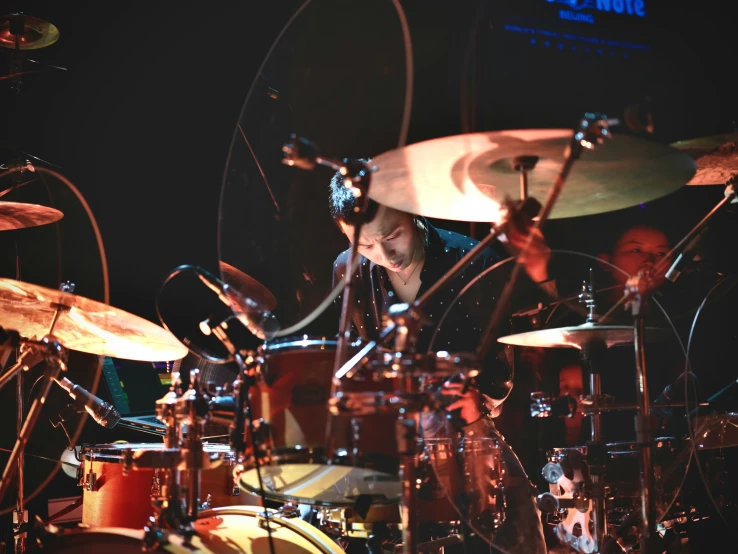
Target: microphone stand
(636,296)
(55,355)
(302,153)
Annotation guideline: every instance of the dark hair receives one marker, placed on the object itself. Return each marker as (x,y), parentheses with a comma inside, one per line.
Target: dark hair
(617,236)
(342,202)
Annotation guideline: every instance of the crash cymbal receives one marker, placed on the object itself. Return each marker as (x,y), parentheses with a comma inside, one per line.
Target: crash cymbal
(581,335)
(34,33)
(467,177)
(83,324)
(17,215)
(716,157)
(248,287)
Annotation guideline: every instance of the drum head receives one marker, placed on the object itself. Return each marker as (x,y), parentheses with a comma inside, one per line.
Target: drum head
(323,485)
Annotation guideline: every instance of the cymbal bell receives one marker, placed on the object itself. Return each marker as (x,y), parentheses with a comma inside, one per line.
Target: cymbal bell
(247,286)
(580,336)
(32,33)
(83,324)
(716,157)
(18,215)
(467,177)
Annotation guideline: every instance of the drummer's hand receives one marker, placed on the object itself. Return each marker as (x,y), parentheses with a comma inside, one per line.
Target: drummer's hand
(469,402)
(536,258)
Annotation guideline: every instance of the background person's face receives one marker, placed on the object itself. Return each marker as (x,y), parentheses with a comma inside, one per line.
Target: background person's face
(639,248)
(390,240)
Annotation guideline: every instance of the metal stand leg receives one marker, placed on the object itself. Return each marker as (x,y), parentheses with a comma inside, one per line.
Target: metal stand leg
(407,447)
(644,437)
(596,449)
(20,514)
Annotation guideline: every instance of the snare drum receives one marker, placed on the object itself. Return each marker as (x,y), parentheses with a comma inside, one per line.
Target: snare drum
(111,499)
(220,531)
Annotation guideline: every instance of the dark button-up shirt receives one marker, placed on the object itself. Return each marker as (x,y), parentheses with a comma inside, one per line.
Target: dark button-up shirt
(459,318)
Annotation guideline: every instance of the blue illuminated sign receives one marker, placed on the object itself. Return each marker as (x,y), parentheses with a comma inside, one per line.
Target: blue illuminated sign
(635,8)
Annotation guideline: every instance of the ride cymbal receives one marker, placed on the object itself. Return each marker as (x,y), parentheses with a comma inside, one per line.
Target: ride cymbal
(716,157)
(467,177)
(83,324)
(31,33)
(18,215)
(580,336)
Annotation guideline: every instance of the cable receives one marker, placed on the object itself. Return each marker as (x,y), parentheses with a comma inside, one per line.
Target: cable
(337,290)
(688,367)
(234,137)
(106,300)
(409,70)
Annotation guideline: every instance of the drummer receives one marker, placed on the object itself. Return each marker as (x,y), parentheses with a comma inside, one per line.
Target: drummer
(402,255)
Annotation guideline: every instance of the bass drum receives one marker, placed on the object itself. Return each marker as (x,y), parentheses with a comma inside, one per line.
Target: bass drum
(239,529)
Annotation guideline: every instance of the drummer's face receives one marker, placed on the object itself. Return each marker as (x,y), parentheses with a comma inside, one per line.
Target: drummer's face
(639,247)
(390,240)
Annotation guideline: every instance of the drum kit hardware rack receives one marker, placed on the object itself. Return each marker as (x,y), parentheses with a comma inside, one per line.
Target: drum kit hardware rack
(188,491)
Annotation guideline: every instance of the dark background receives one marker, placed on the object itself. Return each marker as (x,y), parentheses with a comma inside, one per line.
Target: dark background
(142,119)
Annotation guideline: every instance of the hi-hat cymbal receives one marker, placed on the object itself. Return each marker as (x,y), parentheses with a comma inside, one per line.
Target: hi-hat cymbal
(467,177)
(33,33)
(581,335)
(83,324)
(716,157)
(17,215)
(248,287)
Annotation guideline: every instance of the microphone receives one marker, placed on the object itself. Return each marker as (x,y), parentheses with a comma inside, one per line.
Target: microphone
(675,391)
(103,413)
(687,256)
(254,317)
(639,118)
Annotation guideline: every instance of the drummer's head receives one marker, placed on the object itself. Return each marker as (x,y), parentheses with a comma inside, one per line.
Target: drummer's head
(639,246)
(389,237)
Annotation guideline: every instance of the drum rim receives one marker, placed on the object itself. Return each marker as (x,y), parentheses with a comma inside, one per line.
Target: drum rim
(308,532)
(307,342)
(106,452)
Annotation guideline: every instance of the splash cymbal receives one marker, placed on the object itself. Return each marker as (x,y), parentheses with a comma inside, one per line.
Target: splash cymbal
(580,335)
(32,33)
(248,287)
(467,177)
(83,324)
(17,215)
(716,157)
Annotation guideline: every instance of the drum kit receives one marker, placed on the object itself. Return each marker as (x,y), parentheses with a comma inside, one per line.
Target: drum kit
(327,447)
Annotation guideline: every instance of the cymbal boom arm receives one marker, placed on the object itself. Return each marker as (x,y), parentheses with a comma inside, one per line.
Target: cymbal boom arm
(593,128)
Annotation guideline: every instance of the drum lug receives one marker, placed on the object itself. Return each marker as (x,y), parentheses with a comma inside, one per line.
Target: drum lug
(207,504)
(154,537)
(235,490)
(289,510)
(155,485)
(263,522)
(90,484)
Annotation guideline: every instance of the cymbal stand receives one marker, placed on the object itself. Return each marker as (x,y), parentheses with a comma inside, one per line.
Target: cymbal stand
(593,129)
(32,353)
(636,289)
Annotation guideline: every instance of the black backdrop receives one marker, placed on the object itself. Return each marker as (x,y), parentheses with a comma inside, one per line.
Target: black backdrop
(142,119)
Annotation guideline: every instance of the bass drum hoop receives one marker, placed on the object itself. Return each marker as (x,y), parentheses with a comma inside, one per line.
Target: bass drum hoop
(178,545)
